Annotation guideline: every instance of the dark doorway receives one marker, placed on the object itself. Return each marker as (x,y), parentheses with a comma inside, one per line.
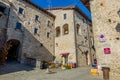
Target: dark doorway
(86,55)
(13,50)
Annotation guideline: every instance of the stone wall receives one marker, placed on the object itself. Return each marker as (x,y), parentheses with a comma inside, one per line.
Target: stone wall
(65,43)
(106,22)
(38,44)
(3,21)
(83,40)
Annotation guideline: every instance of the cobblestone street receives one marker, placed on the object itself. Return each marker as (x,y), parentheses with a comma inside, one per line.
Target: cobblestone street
(22,72)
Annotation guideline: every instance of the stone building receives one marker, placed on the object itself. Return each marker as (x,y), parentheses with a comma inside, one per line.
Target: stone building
(73,36)
(35,34)
(30,31)
(4,12)
(106,27)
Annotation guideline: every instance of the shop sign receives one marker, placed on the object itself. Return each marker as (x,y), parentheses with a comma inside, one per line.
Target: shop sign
(107,51)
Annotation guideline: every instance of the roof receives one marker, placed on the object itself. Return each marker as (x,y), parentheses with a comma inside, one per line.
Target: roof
(86,3)
(28,1)
(70,7)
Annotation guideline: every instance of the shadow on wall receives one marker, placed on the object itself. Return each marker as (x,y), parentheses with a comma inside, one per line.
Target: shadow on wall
(117,27)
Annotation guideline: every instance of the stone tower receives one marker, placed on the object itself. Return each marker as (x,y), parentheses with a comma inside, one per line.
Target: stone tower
(106,27)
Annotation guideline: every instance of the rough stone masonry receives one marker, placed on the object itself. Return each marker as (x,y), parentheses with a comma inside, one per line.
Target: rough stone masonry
(106,23)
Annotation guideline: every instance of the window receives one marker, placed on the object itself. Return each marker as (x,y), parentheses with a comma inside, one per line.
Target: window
(41,45)
(18,25)
(57,31)
(35,30)
(2,9)
(84,21)
(6,11)
(48,34)
(36,17)
(48,23)
(21,11)
(78,28)
(65,16)
(65,29)
(92,41)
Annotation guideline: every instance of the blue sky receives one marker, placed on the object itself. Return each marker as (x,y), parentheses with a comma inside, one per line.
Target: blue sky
(56,3)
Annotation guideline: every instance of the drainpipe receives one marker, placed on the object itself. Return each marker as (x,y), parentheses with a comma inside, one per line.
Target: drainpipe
(75,38)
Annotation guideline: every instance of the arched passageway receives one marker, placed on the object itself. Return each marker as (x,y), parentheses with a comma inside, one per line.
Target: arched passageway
(13,50)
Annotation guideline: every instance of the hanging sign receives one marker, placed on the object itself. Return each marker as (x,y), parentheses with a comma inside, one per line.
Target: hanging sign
(107,51)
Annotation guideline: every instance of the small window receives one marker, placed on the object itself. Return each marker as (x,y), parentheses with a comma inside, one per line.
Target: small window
(41,45)
(65,29)
(36,17)
(92,41)
(35,30)
(48,34)
(57,31)
(84,21)
(6,11)
(18,25)
(21,11)
(78,29)
(65,16)
(2,9)
(48,23)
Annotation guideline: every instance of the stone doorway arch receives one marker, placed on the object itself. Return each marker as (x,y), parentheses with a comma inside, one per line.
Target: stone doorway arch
(13,51)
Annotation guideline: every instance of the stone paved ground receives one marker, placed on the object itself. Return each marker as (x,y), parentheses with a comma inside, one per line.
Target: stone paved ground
(22,72)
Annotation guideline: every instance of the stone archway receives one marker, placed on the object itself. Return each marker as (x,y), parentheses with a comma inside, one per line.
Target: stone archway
(13,51)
